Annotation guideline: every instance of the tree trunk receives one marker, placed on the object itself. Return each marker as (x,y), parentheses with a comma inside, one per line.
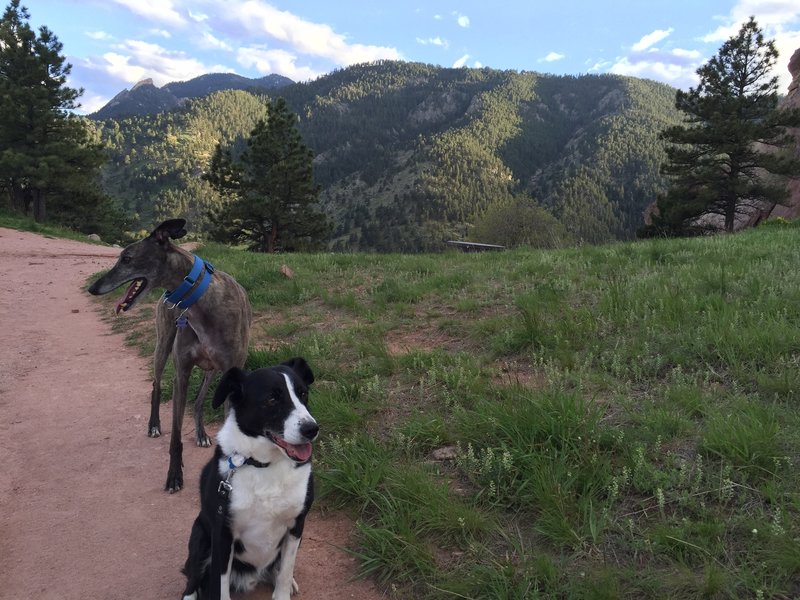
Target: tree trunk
(273,236)
(730,215)
(18,201)
(39,206)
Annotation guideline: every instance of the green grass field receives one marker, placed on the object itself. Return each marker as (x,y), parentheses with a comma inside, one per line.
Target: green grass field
(601,422)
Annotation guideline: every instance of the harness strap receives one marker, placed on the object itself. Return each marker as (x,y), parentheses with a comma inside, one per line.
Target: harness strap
(215,583)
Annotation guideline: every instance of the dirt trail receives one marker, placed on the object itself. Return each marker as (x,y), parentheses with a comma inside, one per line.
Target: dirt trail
(82,511)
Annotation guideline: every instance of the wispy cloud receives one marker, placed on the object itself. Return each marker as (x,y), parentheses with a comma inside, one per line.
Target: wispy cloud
(302,36)
(275,61)
(461,62)
(676,66)
(437,41)
(199,17)
(98,35)
(92,102)
(161,33)
(134,60)
(780,20)
(162,11)
(552,57)
(651,39)
(462,20)
(209,41)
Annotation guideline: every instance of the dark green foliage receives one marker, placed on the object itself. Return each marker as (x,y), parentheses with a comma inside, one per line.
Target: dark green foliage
(520,222)
(271,192)
(157,160)
(732,137)
(49,159)
(410,155)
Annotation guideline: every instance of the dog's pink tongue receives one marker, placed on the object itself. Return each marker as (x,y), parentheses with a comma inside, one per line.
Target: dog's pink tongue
(301,452)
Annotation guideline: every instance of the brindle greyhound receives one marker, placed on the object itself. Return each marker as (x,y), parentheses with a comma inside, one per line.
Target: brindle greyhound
(212,334)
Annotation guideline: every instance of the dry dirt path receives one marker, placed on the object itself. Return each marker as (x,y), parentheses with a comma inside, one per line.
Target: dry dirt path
(82,511)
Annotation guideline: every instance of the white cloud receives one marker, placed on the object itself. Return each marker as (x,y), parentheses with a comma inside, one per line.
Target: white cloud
(461,62)
(161,33)
(598,66)
(552,57)
(162,11)
(91,103)
(98,35)
(462,20)
(305,37)
(780,20)
(199,17)
(676,67)
(275,61)
(209,41)
(438,17)
(477,64)
(135,60)
(437,41)
(650,39)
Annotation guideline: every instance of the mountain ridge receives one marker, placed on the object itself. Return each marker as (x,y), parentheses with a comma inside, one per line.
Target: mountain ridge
(145,97)
(409,155)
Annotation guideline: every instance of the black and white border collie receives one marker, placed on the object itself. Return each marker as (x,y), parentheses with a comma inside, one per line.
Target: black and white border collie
(257,490)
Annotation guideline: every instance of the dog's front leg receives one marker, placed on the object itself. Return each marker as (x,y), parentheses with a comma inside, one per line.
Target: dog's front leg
(285,585)
(225,578)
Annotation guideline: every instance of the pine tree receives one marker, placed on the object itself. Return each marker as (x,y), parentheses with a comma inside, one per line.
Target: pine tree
(275,204)
(723,161)
(46,153)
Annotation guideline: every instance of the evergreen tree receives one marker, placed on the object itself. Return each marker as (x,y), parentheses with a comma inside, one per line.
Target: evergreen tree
(46,153)
(734,137)
(275,203)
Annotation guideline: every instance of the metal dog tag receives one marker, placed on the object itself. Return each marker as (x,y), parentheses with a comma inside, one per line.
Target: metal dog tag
(224,489)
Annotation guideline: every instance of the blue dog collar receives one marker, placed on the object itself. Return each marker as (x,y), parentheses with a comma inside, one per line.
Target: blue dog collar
(178,297)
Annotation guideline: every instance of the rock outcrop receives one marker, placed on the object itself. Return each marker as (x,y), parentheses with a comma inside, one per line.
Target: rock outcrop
(792,100)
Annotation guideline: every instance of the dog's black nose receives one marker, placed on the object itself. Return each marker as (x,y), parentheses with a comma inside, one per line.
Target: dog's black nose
(309,430)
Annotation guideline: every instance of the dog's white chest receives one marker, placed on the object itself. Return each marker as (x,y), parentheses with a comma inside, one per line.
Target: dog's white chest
(265,504)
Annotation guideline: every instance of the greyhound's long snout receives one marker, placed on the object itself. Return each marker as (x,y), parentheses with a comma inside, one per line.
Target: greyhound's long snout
(94,289)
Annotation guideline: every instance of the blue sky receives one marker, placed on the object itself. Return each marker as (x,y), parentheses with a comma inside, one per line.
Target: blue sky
(112,44)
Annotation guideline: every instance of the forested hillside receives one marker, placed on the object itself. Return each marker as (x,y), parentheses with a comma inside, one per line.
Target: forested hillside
(410,155)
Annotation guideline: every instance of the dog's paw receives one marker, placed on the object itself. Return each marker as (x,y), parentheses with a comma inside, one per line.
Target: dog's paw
(174,482)
(203,440)
(280,594)
(154,431)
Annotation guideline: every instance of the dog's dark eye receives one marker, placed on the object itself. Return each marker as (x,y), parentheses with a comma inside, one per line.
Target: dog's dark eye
(270,400)
(125,260)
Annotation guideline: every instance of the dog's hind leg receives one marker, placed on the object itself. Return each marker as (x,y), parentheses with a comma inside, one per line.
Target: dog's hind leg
(196,565)
(199,429)
(165,336)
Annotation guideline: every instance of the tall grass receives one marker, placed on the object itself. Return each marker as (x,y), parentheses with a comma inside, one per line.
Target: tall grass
(601,422)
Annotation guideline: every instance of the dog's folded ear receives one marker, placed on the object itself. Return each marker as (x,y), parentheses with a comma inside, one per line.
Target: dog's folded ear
(300,366)
(171,229)
(230,386)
